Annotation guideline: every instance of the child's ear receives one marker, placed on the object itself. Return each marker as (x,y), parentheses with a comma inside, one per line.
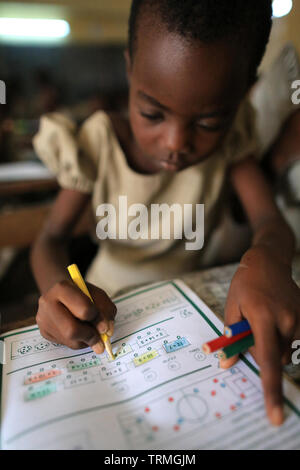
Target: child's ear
(128,64)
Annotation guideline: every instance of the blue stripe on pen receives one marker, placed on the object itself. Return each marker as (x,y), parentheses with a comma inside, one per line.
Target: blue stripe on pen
(236,328)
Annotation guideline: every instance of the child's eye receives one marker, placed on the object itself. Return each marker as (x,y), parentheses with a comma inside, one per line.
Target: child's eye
(152,116)
(212,125)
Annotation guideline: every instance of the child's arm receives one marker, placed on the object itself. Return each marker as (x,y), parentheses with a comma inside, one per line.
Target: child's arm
(65,315)
(262,289)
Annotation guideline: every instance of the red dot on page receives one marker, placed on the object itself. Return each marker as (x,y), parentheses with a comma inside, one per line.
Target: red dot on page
(176,427)
(155,428)
(171,399)
(218,415)
(244,379)
(213,392)
(216,381)
(147,410)
(242,395)
(232,407)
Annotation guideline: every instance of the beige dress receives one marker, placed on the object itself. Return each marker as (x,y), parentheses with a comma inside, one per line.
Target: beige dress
(92,161)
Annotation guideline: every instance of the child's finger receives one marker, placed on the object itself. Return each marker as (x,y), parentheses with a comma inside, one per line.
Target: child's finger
(232,311)
(106,308)
(78,303)
(70,331)
(287,324)
(111,327)
(227,363)
(98,348)
(286,358)
(268,356)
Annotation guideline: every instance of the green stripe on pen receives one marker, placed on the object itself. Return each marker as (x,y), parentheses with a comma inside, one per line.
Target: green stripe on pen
(237,347)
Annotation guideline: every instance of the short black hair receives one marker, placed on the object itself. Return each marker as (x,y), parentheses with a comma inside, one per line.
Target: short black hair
(247,22)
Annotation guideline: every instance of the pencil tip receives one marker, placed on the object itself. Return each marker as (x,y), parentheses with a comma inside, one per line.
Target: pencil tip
(109,350)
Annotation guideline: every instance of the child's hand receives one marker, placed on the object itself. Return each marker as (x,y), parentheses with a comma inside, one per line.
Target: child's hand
(263,292)
(67,316)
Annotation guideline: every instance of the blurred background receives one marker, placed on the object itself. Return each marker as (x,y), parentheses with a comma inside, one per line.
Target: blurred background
(72,60)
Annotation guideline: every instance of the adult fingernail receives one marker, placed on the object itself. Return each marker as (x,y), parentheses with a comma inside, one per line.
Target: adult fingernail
(98,348)
(277,416)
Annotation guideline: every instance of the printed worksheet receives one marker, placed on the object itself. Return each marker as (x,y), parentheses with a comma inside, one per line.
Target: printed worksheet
(161,391)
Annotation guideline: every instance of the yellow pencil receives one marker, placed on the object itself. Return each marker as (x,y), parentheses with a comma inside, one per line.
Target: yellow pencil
(78,280)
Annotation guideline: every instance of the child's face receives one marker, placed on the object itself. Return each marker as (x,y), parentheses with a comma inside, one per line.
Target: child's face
(183,98)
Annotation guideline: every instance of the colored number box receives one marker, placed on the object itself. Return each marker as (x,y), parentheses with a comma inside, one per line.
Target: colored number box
(138,361)
(40,376)
(151,337)
(175,345)
(83,365)
(40,392)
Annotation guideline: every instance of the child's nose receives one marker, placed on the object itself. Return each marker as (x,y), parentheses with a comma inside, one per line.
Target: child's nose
(178,139)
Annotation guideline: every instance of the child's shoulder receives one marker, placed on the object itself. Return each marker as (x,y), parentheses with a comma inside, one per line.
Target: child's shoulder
(109,120)
(110,127)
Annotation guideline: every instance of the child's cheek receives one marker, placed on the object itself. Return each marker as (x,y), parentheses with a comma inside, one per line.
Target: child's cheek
(146,134)
(208,142)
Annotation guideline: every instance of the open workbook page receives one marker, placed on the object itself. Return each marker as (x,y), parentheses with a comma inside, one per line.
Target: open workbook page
(161,392)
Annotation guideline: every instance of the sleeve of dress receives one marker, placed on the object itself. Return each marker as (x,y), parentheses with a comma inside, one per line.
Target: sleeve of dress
(242,139)
(66,153)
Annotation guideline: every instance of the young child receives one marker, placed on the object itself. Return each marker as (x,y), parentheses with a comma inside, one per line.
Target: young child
(188,133)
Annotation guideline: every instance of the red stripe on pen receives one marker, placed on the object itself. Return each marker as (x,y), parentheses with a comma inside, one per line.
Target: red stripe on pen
(223,341)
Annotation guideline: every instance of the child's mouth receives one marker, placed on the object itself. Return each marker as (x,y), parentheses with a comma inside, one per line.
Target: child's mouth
(169,166)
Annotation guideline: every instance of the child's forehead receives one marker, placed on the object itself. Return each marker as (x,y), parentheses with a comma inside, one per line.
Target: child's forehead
(195,72)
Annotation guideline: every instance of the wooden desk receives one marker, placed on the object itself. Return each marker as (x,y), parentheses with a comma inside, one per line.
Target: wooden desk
(25,187)
(20,226)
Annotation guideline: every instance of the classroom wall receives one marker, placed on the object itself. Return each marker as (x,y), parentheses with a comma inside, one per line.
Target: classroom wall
(80,70)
